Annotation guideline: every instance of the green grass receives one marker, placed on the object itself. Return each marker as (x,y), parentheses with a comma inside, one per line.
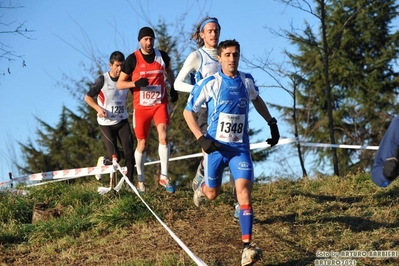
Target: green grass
(294,220)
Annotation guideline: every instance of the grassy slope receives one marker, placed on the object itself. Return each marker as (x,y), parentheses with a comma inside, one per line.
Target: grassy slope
(293,220)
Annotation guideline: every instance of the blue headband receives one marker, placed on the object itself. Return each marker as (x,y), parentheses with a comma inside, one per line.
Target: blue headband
(208,21)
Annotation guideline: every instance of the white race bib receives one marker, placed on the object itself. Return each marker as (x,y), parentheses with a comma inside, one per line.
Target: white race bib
(150,95)
(230,127)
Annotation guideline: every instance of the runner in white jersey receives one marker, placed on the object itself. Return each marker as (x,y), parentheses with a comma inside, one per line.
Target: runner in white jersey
(111,100)
(200,64)
(112,115)
(227,95)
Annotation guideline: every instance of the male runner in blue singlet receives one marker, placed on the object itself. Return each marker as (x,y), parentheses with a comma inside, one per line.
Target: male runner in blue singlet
(227,95)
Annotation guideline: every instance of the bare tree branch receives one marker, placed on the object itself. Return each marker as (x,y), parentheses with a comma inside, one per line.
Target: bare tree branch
(9,28)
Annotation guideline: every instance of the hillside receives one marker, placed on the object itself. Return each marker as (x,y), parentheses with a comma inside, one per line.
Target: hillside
(294,221)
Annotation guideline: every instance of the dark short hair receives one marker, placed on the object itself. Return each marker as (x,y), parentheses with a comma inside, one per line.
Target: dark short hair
(116,56)
(228,43)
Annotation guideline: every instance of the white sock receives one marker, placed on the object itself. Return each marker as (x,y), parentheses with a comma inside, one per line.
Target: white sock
(140,160)
(163,151)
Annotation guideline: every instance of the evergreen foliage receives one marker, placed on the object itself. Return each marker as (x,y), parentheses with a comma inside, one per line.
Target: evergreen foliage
(362,52)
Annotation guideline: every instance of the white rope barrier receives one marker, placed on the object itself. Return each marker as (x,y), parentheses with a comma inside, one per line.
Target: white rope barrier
(63,175)
(341,146)
(253,146)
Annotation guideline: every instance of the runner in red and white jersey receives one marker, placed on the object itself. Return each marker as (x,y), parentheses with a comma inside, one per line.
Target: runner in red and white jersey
(144,70)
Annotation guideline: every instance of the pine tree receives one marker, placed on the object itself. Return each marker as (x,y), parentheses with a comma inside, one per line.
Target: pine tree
(361,53)
(73,143)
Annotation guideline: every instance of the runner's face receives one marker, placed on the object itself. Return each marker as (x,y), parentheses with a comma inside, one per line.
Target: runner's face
(210,34)
(115,69)
(147,44)
(229,59)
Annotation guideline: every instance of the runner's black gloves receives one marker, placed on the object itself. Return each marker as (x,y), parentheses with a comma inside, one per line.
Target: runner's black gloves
(274,132)
(208,145)
(142,82)
(174,96)
(391,167)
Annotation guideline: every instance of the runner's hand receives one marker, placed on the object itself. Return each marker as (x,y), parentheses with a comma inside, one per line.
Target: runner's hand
(102,113)
(208,145)
(274,132)
(142,82)
(391,167)
(173,95)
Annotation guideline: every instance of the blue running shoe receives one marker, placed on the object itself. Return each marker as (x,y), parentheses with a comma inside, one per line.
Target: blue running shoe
(141,187)
(167,184)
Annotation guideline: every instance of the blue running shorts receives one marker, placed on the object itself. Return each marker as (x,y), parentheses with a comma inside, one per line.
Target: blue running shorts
(239,162)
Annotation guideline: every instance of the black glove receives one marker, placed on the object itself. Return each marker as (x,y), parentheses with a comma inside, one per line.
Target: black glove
(173,95)
(208,145)
(391,167)
(142,82)
(274,132)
